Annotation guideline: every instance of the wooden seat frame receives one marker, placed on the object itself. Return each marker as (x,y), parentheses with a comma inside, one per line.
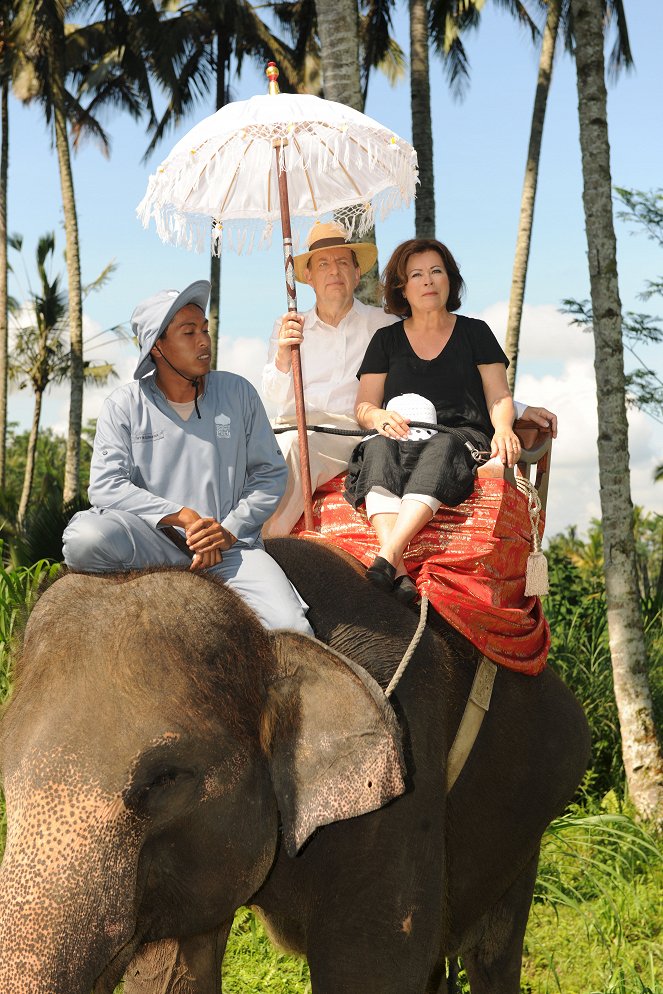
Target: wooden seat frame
(536,451)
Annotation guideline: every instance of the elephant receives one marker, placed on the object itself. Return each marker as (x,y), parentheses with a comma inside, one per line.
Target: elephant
(166,759)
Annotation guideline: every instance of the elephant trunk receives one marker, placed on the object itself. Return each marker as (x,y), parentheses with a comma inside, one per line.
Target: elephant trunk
(67,882)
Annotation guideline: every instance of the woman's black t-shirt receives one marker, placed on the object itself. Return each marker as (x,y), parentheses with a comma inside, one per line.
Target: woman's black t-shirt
(451,381)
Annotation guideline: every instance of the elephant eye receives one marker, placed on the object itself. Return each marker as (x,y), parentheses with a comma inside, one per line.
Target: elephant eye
(168,777)
(144,793)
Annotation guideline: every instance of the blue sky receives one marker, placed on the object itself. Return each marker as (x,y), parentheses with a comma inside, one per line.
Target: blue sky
(479,147)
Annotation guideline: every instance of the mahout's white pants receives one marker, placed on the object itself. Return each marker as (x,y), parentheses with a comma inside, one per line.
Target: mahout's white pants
(103,540)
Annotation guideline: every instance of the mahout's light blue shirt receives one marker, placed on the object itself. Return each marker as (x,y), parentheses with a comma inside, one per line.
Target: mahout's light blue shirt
(151,462)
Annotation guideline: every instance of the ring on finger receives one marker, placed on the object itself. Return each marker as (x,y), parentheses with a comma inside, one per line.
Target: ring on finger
(385,426)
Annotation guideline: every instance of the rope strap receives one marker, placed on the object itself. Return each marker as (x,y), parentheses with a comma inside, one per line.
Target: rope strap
(475,709)
(409,652)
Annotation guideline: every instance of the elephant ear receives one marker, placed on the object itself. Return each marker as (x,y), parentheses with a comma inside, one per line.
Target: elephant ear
(331,737)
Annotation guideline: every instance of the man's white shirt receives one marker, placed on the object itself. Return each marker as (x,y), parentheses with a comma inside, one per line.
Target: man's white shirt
(331,357)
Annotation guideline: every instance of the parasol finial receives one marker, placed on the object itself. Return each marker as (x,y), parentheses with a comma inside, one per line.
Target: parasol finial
(272,73)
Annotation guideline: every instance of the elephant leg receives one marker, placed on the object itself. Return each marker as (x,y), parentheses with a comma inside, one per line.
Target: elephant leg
(179,966)
(444,978)
(493,963)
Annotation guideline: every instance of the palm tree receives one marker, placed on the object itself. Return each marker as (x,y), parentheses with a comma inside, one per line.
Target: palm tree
(42,26)
(349,46)
(7,58)
(643,760)
(338,31)
(40,355)
(442,24)
(422,135)
(108,70)
(191,53)
(558,18)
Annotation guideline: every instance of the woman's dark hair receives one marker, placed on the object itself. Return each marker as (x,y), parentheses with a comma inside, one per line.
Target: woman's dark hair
(394,276)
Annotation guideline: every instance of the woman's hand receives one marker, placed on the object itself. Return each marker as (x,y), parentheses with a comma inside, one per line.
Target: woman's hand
(291,333)
(505,446)
(389,423)
(369,410)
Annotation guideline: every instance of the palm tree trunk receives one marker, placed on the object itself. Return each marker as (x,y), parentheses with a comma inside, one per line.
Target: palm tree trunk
(338,31)
(524,238)
(222,61)
(30,457)
(4,316)
(643,761)
(422,136)
(73,456)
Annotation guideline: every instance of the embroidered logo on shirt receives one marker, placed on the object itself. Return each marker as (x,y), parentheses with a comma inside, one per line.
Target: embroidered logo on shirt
(147,436)
(222,422)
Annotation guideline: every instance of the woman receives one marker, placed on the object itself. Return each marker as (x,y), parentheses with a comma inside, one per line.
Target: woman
(452,361)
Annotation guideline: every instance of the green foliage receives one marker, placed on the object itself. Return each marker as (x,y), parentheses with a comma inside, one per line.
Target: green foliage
(580,650)
(644,209)
(644,387)
(596,924)
(41,534)
(253,964)
(18,589)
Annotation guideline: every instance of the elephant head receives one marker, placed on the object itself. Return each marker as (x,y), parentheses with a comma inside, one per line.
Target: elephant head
(156,731)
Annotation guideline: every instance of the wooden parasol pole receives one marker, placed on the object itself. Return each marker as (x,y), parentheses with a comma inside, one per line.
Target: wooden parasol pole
(272,74)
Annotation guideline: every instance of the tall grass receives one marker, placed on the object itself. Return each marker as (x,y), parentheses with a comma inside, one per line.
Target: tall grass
(18,589)
(596,924)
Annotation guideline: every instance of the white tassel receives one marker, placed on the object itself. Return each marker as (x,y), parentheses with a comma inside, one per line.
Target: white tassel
(536,575)
(536,572)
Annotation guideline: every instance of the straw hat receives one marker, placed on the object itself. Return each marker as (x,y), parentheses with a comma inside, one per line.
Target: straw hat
(330,234)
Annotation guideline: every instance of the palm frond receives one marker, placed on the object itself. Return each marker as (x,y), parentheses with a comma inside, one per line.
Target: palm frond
(621,57)
(101,280)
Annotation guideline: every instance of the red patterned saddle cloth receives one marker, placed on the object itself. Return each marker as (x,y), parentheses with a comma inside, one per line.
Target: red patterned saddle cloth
(469,560)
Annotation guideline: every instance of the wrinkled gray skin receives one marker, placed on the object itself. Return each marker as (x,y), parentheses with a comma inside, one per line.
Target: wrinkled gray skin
(164,758)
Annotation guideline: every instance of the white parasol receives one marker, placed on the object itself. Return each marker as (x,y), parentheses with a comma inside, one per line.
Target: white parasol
(269,158)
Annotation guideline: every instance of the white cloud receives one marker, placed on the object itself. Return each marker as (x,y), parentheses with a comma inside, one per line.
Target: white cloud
(245,356)
(573,497)
(544,334)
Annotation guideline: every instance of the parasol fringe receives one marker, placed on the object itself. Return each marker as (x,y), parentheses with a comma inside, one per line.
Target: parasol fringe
(244,235)
(181,207)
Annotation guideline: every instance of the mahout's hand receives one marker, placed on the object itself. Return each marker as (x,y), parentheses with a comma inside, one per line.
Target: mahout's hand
(203,560)
(208,539)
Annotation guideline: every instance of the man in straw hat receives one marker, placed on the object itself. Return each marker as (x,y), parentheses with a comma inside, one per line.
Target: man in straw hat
(185,469)
(335,333)
(333,336)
